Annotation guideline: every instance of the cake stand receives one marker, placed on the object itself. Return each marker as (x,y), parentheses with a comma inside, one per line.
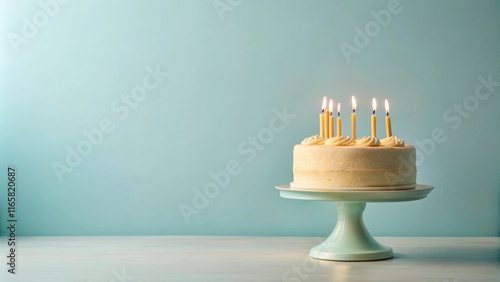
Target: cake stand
(350,240)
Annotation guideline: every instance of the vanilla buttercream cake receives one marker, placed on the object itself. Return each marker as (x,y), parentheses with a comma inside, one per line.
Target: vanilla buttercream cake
(346,164)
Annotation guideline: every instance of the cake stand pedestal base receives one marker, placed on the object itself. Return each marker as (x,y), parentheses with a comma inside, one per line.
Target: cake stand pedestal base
(350,240)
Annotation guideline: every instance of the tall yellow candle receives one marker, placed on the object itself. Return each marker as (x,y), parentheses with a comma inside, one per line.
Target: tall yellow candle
(353,119)
(327,122)
(322,125)
(330,120)
(374,118)
(388,128)
(339,121)
(322,120)
(327,119)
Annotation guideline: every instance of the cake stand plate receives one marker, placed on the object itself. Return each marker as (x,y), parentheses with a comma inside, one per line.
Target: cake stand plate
(350,240)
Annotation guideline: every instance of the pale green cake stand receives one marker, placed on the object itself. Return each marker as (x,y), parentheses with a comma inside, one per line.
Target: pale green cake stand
(350,240)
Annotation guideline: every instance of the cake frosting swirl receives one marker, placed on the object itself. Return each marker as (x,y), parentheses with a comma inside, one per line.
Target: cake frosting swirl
(367,141)
(339,141)
(392,141)
(313,140)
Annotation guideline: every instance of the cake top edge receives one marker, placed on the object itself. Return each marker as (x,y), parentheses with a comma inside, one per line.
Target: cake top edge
(366,141)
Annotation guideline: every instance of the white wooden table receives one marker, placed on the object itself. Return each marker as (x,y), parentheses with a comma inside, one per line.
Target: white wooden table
(184,258)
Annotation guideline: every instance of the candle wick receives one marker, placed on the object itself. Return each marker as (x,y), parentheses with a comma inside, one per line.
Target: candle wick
(323,110)
(338,114)
(373,112)
(387,113)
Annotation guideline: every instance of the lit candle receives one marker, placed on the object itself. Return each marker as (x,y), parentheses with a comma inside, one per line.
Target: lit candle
(330,119)
(339,121)
(388,127)
(327,120)
(374,118)
(322,119)
(353,119)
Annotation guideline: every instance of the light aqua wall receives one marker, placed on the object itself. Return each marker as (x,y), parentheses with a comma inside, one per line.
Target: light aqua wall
(231,65)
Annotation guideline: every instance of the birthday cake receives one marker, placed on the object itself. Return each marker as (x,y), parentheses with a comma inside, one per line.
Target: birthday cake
(340,163)
(327,162)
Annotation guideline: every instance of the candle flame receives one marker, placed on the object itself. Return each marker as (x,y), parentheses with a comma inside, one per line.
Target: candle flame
(386,107)
(338,109)
(323,107)
(353,100)
(330,106)
(374,105)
